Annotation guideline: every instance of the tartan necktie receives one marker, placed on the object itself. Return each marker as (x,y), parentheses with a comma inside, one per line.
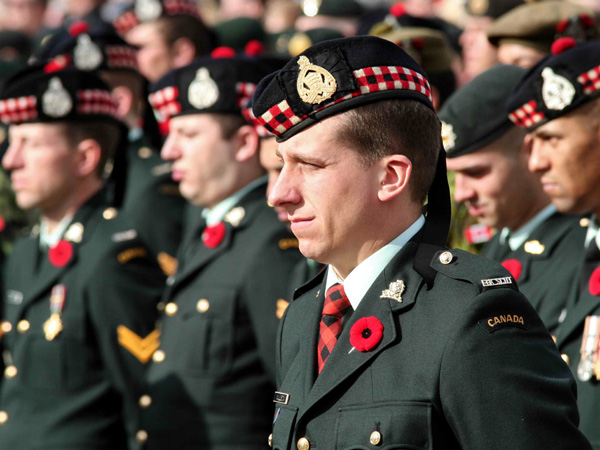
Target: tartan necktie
(330,328)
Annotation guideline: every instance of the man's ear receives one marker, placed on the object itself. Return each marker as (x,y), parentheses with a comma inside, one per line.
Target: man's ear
(395,173)
(247,143)
(124,98)
(90,154)
(183,52)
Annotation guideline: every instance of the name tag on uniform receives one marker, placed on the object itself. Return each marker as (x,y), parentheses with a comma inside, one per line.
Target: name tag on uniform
(281,397)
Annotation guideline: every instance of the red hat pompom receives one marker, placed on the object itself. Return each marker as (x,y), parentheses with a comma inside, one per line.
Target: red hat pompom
(57,64)
(562,26)
(418,43)
(586,21)
(78,28)
(398,9)
(514,266)
(254,48)
(562,44)
(223,52)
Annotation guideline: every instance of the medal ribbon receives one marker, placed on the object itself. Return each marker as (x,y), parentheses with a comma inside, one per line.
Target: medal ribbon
(57,299)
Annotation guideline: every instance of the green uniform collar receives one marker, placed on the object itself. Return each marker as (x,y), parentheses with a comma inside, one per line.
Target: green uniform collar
(216,214)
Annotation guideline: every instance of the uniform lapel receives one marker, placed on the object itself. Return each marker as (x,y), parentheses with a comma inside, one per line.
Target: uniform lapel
(343,362)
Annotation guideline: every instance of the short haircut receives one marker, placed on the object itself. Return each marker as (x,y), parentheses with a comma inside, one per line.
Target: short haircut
(182,26)
(389,127)
(229,123)
(107,135)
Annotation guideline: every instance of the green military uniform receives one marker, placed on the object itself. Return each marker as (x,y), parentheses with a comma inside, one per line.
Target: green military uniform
(545,265)
(70,391)
(210,383)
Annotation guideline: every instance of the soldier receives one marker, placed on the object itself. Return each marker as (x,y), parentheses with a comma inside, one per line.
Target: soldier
(557,103)
(80,291)
(211,381)
(489,156)
(400,343)
(152,198)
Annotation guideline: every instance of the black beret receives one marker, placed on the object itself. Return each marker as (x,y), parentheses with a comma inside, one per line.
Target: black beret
(149,10)
(557,85)
(88,47)
(36,94)
(207,85)
(475,115)
(335,76)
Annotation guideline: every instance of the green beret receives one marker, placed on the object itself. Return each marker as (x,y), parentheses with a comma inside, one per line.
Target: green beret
(476,114)
(533,24)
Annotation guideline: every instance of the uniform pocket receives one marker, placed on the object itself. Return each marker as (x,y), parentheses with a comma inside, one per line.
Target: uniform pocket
(388,425)
(283,426)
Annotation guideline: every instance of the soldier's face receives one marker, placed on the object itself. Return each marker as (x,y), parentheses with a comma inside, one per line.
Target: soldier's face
(154,56)
(566,153)
(273,165)
(43,165)
(202,158)
(329,196)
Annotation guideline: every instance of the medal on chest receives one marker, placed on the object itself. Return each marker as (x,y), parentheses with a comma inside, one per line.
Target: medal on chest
(589,349)
(53,326)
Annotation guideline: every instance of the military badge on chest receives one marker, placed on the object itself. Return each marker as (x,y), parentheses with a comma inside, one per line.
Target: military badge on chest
(53,326)
(589,364)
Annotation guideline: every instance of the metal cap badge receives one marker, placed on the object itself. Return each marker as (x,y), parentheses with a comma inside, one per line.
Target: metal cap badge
(56,101)
(315,84)
(203,91)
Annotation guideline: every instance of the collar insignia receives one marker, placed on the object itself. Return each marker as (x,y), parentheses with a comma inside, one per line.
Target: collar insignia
(86,55)
(534,247)
(147,10)
(203,91)
(235,216)
(394,291)
(56,101)
(448,136)
(557,91)
(74,233)
(315,84)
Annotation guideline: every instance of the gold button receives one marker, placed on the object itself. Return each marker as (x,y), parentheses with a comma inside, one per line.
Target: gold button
(271,440)
(158,356)
(141,436)
(6,326)
(446,258)
(3,417)
(23,326)
(145,401)
(171,309)
(109,213)
(160,306)
(303,444)
(202,305)
(584,222)
(566,359)
(375,438)
(10,372)
(144,153)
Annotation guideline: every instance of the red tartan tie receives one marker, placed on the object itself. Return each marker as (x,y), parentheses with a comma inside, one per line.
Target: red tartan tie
(336,304)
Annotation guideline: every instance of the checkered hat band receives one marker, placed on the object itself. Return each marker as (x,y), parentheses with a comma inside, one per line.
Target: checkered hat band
(16,110)
(244,92)
(121,57)
(280,118)
(527,115)
(590,80)
(96,101)
(126,22)
(187,7)
(251,119)
(165,103)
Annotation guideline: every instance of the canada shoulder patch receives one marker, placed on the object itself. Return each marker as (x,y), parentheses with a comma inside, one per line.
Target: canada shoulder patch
(500,321)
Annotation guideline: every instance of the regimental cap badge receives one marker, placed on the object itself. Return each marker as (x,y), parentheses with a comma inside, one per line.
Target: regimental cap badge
(534,247)
(448,136)
(203,91)
(557,91)
(315,84)
(74,233)
(147,10)
(56,101)
(87,55)
(394,291)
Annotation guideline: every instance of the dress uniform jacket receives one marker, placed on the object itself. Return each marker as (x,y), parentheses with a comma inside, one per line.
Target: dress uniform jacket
(211,381)
(547,263)
(460,365)
(153,202)
(70,392)
(582,303)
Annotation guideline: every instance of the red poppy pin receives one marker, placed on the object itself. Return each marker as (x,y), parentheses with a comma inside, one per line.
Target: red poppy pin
(594,284)
(61,253)
(514,266)
(366,333)
(212,236)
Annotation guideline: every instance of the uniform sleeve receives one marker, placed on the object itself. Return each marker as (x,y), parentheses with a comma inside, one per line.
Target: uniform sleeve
(266,292)
(503,383)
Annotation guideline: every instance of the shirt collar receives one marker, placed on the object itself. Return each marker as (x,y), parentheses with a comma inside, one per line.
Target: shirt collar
(592,232)
(358,282)
(47,239)
(216,214)
(517,238)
